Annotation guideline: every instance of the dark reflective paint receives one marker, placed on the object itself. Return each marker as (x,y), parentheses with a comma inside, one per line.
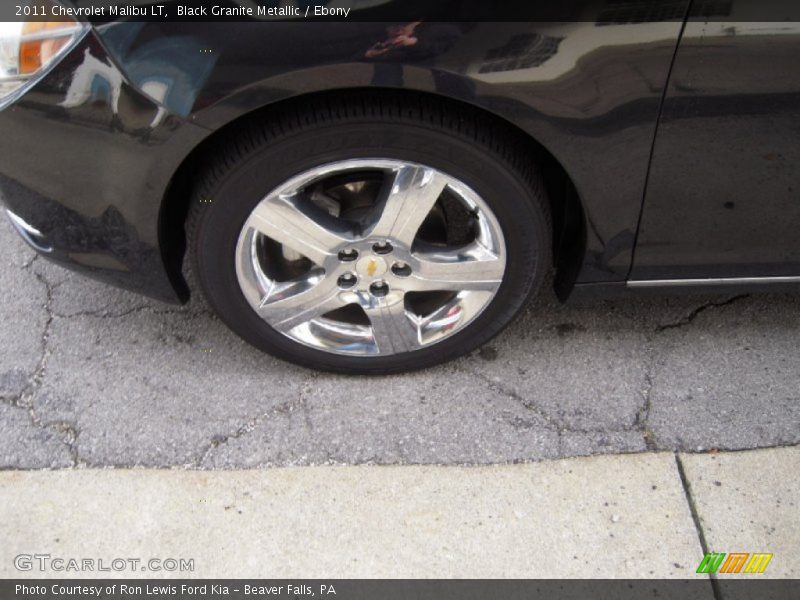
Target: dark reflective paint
(85,160)
(724,191)
(588,93)
(89,153)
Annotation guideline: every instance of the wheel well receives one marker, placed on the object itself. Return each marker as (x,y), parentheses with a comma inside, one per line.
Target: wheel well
(569,232)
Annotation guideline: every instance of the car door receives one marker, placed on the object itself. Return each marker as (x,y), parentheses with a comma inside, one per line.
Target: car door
(723,194)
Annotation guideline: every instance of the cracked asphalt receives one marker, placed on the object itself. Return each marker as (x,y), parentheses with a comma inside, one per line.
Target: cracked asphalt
(94,376)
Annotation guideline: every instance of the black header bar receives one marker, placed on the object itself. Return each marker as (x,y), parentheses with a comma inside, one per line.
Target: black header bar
(601,12)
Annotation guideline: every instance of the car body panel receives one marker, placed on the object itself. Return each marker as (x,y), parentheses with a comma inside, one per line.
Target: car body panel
(91,151)
(588,94)
(86,159)
(723,191)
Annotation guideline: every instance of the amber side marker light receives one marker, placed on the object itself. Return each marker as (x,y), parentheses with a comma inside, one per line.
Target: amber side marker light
(42,41)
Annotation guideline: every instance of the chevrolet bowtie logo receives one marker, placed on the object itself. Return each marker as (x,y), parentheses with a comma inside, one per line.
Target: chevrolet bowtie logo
(371,267)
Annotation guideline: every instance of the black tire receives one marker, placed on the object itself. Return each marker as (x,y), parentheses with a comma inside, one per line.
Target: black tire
(255,159)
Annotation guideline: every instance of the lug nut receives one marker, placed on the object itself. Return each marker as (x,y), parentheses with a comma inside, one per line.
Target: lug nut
(348,255)
(347,280)
(401,269)
(382,248)
(379,289)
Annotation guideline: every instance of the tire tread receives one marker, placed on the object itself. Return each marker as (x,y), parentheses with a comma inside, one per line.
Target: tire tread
(243,139)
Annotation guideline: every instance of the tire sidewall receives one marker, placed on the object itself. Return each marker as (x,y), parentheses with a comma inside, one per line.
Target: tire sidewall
(229,202)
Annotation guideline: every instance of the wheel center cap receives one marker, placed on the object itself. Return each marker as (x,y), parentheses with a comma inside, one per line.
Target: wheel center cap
(369,267)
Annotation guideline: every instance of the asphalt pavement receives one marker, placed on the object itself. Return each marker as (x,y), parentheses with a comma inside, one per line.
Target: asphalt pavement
(94,376)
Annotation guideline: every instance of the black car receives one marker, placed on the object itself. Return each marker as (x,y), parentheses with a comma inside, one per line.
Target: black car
(371,197)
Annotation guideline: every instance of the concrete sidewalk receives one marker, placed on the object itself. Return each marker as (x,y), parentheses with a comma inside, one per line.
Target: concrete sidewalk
(633,516)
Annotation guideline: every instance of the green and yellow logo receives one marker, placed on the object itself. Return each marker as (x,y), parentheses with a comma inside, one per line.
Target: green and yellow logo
(736,562)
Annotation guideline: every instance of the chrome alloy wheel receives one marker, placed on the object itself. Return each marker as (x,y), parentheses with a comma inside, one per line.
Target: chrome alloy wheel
(370,257)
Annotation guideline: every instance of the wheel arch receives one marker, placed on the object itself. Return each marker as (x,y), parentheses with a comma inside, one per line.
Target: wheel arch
(569,229)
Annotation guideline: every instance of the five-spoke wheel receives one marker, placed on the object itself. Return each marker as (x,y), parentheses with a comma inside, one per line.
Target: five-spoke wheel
(372,258)
(361,236)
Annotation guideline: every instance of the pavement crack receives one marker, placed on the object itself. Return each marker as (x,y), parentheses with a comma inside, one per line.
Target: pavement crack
(38,374)
(69,436)
(106,314)
(549,421)
(642,421)
(701,536)
(67,432)
(689,318)
(31,262)
(245,428)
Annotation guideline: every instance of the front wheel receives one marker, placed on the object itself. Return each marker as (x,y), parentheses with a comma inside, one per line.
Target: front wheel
(369,240)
